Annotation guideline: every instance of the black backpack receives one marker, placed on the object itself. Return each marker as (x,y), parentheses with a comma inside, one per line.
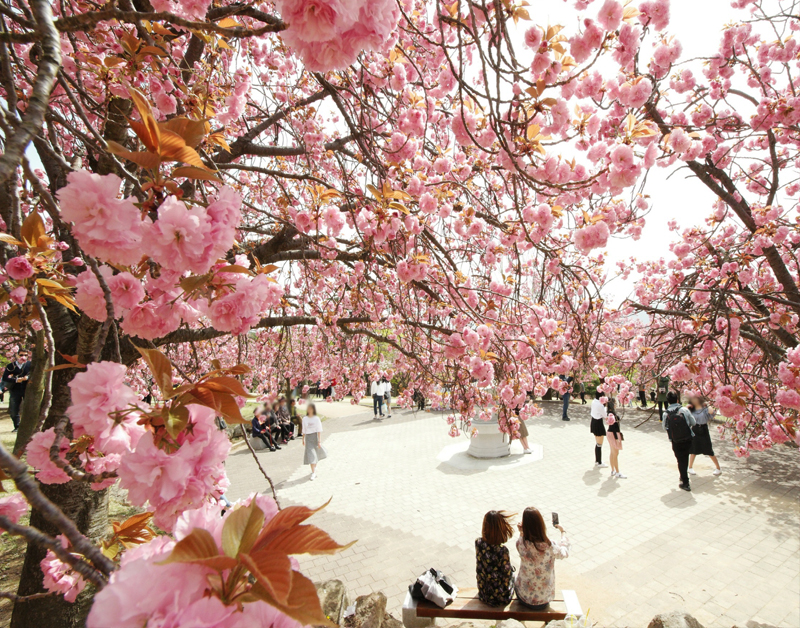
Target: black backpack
(677,427)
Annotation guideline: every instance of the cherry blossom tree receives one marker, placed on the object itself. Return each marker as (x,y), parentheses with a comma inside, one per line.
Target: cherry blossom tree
(723,312)
(208,200)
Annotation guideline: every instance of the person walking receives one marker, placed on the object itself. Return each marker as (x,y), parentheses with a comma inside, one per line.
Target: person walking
(261,429)
(583,393)
(15,377)
(642,393)
(376,390)
(312,440)
(701,443)
(387,396)
(615,438)
(599,414)
(494,572)
(536,581)
(567,395)
(662,388)
(678,423)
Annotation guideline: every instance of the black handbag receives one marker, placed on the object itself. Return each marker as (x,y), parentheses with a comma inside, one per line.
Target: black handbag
(433,586)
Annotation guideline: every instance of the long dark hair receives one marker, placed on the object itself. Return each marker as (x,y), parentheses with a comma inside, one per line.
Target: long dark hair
(496,528)
(533,528)
(311,406)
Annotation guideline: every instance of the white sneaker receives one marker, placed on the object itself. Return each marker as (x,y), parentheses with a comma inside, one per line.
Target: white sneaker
(527,451)
(717,472)
(313,476)
(691,472)
(613,474)
(600,465)
(621,477)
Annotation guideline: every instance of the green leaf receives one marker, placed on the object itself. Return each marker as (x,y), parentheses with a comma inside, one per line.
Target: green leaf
(161,369)
(241,529)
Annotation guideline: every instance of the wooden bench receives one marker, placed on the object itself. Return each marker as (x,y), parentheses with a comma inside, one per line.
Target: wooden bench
(418,614)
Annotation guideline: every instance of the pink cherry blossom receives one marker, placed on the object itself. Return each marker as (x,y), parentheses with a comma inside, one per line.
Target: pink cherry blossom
(19,268)
(591,237)
(107,228)
(89,295)
(97,392)
(18,295)
(38,456)
(13,507)
(126,290)
(59,577)
(171,482)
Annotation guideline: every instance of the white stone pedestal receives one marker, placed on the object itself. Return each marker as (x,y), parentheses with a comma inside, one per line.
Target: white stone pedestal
(490,442)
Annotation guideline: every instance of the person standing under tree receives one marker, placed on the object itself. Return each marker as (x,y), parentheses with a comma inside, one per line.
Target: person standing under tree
(678,423)
(567,395)
(312,440)
(701,443)
(599,414)
(376,390)
(615,438)
(15,377)
(662,390)
(642,393)
(387,396)
(583,393)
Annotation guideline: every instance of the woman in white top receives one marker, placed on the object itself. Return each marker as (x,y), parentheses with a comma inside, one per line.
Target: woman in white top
(376,390)
(599,413)
(312,440)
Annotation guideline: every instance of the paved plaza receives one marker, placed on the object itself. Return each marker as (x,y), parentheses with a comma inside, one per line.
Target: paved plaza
(728,552)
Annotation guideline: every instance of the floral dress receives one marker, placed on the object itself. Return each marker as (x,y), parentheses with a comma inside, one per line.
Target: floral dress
(536,581)
(495,573)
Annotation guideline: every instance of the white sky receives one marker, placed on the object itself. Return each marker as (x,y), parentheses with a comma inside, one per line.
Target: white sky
(673,195)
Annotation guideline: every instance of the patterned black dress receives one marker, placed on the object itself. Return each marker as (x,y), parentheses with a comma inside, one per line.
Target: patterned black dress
(495,574)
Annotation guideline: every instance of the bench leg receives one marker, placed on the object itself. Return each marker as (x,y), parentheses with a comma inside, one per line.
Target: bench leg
(410,619)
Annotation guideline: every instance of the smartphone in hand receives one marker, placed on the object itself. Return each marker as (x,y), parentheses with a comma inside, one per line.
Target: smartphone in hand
(555,519)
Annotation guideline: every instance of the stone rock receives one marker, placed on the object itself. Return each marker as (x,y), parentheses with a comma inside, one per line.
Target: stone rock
(677,619)
(556,623)
(466,624)
(257,444)
(510,623)
(332,598)
(391,622)
(370,611)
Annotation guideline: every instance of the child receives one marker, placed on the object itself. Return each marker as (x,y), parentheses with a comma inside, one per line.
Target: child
(615,438)
(494,571)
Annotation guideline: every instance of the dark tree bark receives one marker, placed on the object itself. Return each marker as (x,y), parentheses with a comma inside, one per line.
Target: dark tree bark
(87,508)
(31,405)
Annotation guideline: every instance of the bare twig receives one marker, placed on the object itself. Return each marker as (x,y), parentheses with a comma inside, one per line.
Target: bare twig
(32,535)
(49,63)
(260,468)
(18,472)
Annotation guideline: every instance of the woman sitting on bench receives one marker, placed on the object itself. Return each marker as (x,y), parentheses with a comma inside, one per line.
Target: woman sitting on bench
(536,581)
(494,571)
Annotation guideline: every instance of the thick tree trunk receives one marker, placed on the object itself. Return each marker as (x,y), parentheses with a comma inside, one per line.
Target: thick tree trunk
(31,405)
(87,508)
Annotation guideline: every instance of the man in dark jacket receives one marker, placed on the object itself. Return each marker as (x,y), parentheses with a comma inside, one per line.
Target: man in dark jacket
(15,379)
(261,429)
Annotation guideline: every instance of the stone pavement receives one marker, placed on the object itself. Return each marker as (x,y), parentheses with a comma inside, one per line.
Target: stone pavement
(729,552)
